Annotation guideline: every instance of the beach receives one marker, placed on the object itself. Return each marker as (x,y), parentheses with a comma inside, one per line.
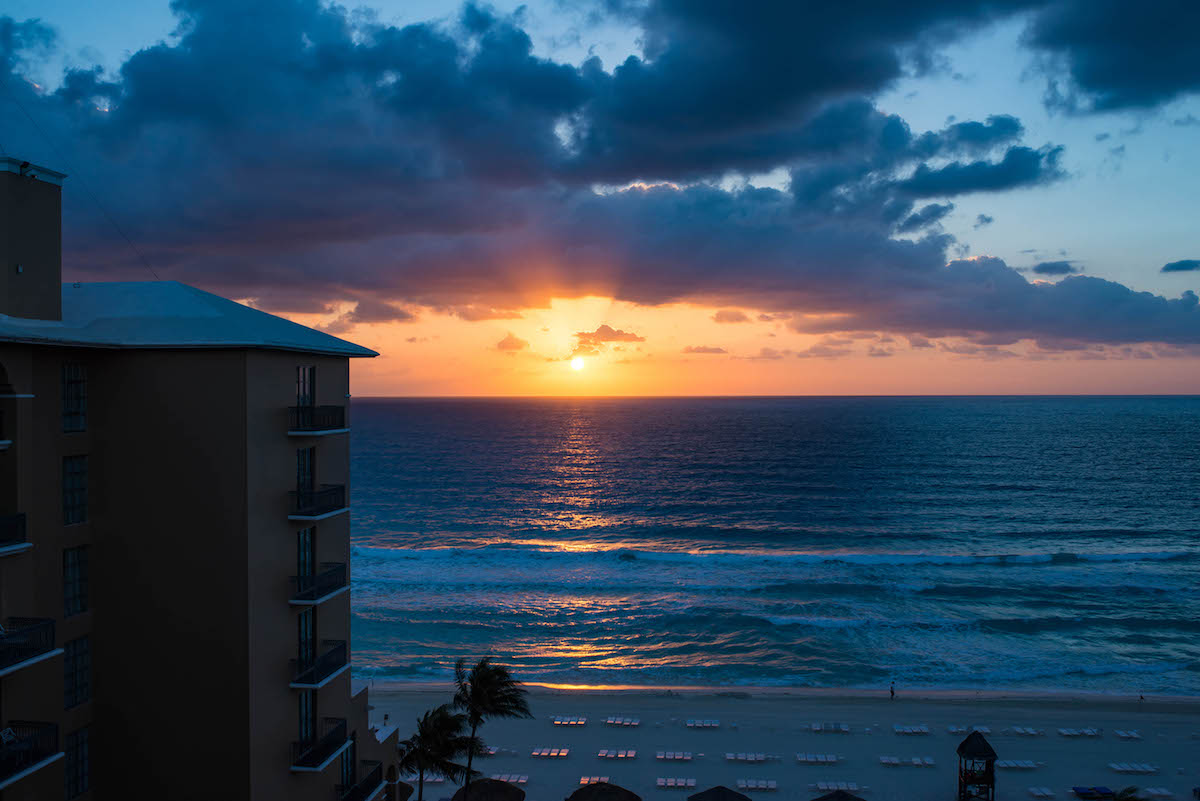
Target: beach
(778,722)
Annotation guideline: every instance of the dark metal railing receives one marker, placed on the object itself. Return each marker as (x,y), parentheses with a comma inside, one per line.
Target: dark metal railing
(309,588)
(311,753)
(24,744)
(310,503)
(321,667)
(316,418)
(12,530)
(24,638)
(368,782)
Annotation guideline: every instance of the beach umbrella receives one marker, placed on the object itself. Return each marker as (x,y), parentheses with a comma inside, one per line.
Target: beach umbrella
(403,791)
(491,790)
(839,795)
(603,791)
(719,793)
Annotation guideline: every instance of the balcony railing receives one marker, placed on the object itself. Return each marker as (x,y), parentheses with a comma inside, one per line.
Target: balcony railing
(369,781)
(12,530)
(25,638)
(316,418)
(308,589)
(23,745)
(308,674)
(316,502)
(312,754)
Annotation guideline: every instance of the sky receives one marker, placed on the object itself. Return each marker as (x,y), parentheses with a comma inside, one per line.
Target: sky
(660,197)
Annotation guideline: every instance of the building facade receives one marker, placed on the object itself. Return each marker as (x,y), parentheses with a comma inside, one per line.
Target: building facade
(174,539)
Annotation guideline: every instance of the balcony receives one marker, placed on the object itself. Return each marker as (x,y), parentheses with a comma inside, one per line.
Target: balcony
(316,421)
(12,535)
(313,756)
(26,748)
(367,787)
(316,589)
(26,641)
(318,504)
(313,674)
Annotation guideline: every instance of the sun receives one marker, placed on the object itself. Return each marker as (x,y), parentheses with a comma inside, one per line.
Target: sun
(577,363)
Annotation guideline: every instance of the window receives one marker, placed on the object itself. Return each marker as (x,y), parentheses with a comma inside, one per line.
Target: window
(77,672)
(306,552)
(308,717)
(74,397)
(306,385)
(75,581)
(307,650)
(75,489)
(78,763)
(304,469)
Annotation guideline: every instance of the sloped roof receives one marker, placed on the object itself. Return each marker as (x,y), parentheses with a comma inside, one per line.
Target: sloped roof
(976,746)
(167,314)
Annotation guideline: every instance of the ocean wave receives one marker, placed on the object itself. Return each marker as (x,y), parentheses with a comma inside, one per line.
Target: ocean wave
(867,559)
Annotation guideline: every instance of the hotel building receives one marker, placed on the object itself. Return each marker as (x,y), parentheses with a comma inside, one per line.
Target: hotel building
(174,539)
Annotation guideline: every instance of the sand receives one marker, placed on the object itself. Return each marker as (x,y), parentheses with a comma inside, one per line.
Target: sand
(776,721)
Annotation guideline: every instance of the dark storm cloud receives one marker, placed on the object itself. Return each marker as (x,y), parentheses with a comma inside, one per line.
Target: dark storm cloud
(1184,265)
(1054,268)
(307,157)
(1020,167)
(1116,54)
(928,215)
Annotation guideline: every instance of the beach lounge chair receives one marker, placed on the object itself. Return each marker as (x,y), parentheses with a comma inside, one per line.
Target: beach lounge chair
(691,724)
(982,729)
(928,762)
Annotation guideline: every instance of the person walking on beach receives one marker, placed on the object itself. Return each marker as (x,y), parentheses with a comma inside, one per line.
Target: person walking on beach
(893,691)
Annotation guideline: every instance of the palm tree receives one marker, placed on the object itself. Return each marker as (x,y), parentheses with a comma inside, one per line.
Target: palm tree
(486,691)
(439,739)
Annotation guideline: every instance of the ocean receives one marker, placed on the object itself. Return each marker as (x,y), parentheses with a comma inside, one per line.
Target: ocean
(1040,543)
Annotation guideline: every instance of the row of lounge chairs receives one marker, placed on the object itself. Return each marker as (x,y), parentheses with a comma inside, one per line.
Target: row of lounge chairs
(1027,731)
(627,722)
(703,724)
(850,787)
(750,757)
(830,728)
(916,762)
(612,753)
(1081,732)
(757,784)
(1133,767)
(552,753)
(818,759)
(673,783)
(918,731)
(1018,764)
(965,729)
(511,778)
(557,721)
(593,779)
(674,756)
(1041,792)
(1157,792)
(1129,734)
(1093,793)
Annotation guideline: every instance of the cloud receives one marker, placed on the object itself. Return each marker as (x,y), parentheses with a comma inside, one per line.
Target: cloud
(1054,268)
(983,220)
(368,311)
(447,166)
(927,216)
(730,316)
(1110,55)
(703,349)
(823,350)
(606,333)
(878,352)
(1020,167)
(511,343)
(1181,266)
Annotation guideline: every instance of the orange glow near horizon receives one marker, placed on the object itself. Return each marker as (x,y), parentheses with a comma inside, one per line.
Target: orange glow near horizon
(681,349)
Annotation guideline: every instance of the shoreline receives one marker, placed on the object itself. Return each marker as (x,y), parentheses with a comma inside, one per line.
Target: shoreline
(537,688)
